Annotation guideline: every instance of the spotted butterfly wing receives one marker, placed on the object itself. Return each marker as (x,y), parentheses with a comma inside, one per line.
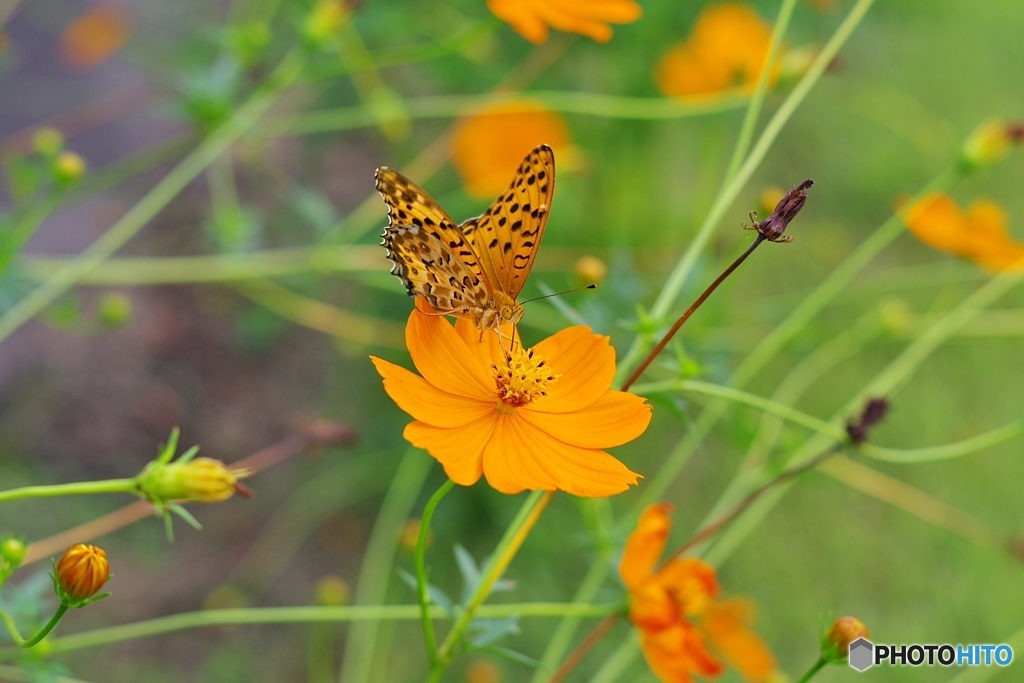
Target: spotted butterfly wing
(507,236)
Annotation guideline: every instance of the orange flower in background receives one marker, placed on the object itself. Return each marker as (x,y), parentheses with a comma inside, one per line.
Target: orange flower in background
(728,48)
(980,234)
(537,420)
(532,18)
(94,37)
(489,145)
(684,626)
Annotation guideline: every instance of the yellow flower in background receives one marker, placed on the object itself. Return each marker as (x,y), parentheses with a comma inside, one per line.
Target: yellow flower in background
(538,419)
(532,18)
(684,626)
(490,145)
(727,49)
(94,37)
(980,234)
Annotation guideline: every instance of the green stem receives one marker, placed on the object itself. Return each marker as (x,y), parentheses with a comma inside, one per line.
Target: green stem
(376,571)
(731,189)
(421,570)
(43,632)
(450,106)
(157,198)
(76,489)
(303,615)
(507,548)
(26,227)
(833,431)
(818,666)
(172,270)
(756,102)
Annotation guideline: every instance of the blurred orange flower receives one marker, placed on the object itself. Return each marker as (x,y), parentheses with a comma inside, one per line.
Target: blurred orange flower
(535,420)
(489,145)
(728,48)
(94,37)
(980,234)
(682,622)
(532,18)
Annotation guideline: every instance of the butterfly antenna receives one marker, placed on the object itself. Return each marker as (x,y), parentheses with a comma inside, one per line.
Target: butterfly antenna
(570,291)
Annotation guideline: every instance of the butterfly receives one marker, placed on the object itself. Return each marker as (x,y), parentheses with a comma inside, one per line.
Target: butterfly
(477,269)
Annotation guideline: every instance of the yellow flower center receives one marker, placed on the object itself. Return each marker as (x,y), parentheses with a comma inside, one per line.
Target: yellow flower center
(523,379)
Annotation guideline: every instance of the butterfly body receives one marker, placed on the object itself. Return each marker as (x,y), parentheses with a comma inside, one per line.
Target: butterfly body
(477,269)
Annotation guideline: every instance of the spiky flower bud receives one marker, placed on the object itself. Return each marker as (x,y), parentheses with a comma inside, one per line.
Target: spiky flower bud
(835,646)
(80,574)
(200,479)
(324,21)
(773,227)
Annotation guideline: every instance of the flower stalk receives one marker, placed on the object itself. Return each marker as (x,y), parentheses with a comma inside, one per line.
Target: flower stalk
(421,570)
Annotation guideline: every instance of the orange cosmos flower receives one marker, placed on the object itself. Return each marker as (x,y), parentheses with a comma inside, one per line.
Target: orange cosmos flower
(682,622)
(94,37)
(727,49)
(537,420)
(532,18)
(980,234)
(489,145)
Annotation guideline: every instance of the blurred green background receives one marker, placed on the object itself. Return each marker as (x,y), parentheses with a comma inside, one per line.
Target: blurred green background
(84,400)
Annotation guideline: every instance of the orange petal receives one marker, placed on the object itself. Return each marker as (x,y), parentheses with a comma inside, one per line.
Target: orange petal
(427,403)
(692,581)
(519,16)
(725,625)
(645,545)
(676,652)
(586,363)
(459,450)
(572,20)
(651,607)
(937,221)
(484,345)
(618,417)
(444,360)
(521,457)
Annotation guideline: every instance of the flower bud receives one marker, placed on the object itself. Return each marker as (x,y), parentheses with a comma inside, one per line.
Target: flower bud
(989,143)
(81,573)
(12,550)
(835,646)
(590,270)
(48,141)
(483,671)
(774,227)
(411,535)
(201,479)
(324,20)
(114,310)
(332,591)
(68,168)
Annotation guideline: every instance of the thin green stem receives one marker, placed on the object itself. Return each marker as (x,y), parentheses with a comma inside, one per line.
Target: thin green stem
(506,549)
(303,615)
(450,106)
(76,489)
(731,189)
(830,430)
(756,102)
(376,571)
(421,570)
(818,666)
(27,223)
(157,198)
(43,632)
(172,270)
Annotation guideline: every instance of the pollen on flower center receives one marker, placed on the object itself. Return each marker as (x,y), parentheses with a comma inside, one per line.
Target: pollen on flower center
(523,379)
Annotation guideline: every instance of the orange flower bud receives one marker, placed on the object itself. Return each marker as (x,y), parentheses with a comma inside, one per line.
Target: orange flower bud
(482,671)
(202,479)
(82,571)
(844,631)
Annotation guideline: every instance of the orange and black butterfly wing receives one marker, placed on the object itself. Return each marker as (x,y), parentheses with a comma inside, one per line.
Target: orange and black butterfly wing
(507,236)
(429,268)
(411,207)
